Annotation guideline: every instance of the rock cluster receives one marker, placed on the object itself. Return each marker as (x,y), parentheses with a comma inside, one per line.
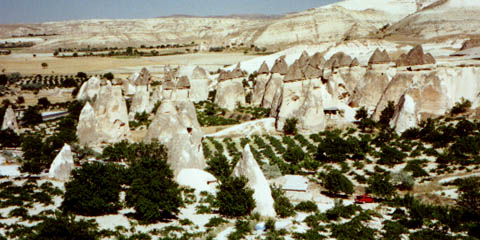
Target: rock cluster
(89,89)
(416,56)
(176,126)
(379,57)
(230,91)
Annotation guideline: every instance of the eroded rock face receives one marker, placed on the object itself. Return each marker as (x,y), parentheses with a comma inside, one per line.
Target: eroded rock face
(405,116)
(379,57)
(176,126)
(63,164)
(369,91)
(339,59)
(199,81)
(248,167)
(87,125)
(279,70)
(415,56)
(230,92)
(89,89)
(10,120)
(140,102)
(143,78)
(111,115)
(260,84)
(471,43)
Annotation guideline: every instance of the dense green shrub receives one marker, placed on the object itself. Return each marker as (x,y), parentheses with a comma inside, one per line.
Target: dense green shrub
(353,229)
(63,227)
(31,117)
(387,114)
(219,166)
(283,206)
(294,154)
(94,189)
(380,185)
(306,206)
(153,193)
(234,198)
(290,127)
(8,138)
(461,107)
(335,182)
(242,228)
(469,195)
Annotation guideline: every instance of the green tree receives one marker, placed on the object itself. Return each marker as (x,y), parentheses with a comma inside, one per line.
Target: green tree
(31,117)
(219,166)
(461,107)
(153,193)
(387,114)
(290,127)
(294,154)
(469,195)
(8,138)
(94,189)
(335,182)
(65,227)
(44,102)
(44,65)
(283,206)
(381,185)
(108,76)
(32,157)
(234,198)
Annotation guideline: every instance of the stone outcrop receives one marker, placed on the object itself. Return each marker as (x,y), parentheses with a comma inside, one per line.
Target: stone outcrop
(405,115)
(175,87)
(140,101)
(317,61)
(337,60)
(87,126)
(379,57)
(471,43)
(275,82)
(230,91)
(63,164)
(199,81)
(10,120)
(415,56)
(294,72)
(89,89)
(111,115)
(369,91)
(143,78)
(260,84)
(176,126)
(248,167)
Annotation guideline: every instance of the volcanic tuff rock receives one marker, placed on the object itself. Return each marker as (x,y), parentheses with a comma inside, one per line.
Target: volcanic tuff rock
(471,43)
(140,102)
(87,125)
(230,91)
(339,59)
(176,126)
(405,115)
(199,81)
(275,82)
(260,84)
(248,167)
(62,165)
(369,91)
(379,57)
(10,120)
(111,115)
(89,89)
(415,57)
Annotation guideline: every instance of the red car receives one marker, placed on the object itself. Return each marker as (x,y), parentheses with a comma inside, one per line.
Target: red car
(364,199)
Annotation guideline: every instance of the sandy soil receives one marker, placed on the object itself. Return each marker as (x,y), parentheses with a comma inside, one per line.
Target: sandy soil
(27,64)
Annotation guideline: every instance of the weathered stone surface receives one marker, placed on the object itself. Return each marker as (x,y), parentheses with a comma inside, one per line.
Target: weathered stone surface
(111,115)
(369,91)
(405,115)
(199,84)
(260,84)
(248,167)
(273,85)
(89,89)
(140,101)
(86,127)
(415,56)
(176,126)
(10,120)
(303,60)
(230,93)
(310,72)
(62,165)
(280,66)
(339,59)
(294,73)
(355,63)
(301,100)
(143,79)
(471,43)
(379,57)
(317,61)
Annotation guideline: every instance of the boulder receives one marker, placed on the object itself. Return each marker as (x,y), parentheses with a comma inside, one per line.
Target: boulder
(10,120)
(89,89)
(248,167)
(86,127)
(176,126)
(415,56)
(111,115)
(379,57)
(405,115)
(62,165)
